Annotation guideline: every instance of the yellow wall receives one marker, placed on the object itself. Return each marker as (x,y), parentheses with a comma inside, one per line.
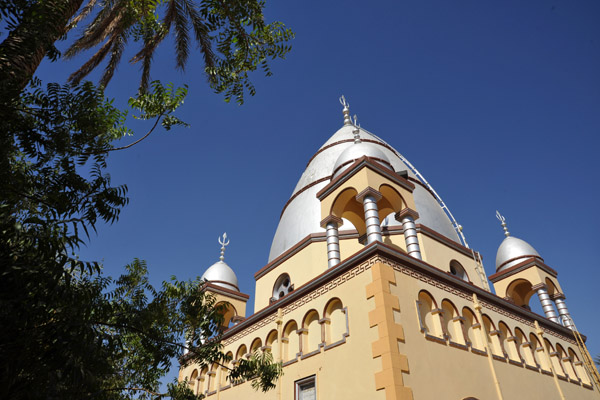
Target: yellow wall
(380,297)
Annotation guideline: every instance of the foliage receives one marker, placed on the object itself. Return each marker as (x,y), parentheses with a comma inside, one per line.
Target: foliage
(68,331)
(231,35)
(260,369)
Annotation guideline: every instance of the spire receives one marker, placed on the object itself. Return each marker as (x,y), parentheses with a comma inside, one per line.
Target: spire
(346,111)
(503,221)
(356,130)
(223,243)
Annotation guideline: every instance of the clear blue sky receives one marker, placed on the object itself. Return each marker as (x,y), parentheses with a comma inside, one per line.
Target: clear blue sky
(496,103)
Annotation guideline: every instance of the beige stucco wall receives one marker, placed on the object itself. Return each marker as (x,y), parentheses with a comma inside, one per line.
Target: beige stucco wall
(380,298)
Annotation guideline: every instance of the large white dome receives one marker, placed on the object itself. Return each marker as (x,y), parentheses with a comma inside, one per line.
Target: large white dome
(302,214)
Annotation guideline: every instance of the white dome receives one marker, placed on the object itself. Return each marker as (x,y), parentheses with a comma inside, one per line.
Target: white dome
(512,251)
(302,214)
(221,274)
(356,151)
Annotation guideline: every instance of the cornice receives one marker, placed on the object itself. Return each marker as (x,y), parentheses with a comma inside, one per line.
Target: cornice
(381,252)
(532,261)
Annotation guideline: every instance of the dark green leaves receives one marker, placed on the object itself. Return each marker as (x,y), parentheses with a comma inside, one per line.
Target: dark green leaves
(160,102)
(232,37)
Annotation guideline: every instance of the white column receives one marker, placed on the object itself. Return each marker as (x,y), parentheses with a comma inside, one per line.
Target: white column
(369,199)
(331,224)
(563,311)
(407,218)
(547,306)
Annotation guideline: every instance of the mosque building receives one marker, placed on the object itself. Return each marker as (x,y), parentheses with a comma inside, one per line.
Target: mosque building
(371,292)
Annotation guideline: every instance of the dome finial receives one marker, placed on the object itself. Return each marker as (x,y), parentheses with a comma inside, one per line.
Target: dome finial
(356,130)
(223,243)
(503,221)
(346,110)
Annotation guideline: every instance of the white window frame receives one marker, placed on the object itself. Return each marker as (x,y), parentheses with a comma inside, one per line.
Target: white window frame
(299,383)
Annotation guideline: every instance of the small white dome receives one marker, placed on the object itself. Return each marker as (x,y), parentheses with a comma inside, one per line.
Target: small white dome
(512,251)
(356,151)
(221,274)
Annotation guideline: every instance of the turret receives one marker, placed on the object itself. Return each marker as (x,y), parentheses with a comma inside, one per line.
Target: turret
(521,273)
(222,282)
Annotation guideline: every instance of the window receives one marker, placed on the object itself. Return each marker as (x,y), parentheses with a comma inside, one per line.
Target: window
(306,389)
(457,270)
(283,286)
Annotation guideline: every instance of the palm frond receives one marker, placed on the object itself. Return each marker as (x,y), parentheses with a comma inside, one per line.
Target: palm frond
(182,36)
(202,33)
(117,48)
(85,11)
(92,63)
(102,27)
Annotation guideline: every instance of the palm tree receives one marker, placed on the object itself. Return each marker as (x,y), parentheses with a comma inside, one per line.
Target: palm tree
(231,35)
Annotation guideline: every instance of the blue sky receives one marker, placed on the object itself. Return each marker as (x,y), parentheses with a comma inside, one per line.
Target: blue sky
(496,103)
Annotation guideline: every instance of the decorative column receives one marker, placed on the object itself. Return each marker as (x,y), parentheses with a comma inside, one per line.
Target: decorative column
(369,198)
(331,224)
(544,297)
(559,300)
(407,218)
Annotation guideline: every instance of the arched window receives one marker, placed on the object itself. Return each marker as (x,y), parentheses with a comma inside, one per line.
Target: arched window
(212,378)
(579,368)
(473,329)
(525,348)
(458,270)
(566,361)
(508,342)
(291,344)
(452,322)
(202,381)
(336,323)
(225,369)
(241,352)
(283,286)
(272,345)
(255,346)
(492,332)
(193,382)
(431,323)
(539,353)
(311,332)
(553,355)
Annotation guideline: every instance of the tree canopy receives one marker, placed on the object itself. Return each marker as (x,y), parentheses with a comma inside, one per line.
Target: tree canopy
(68,330)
